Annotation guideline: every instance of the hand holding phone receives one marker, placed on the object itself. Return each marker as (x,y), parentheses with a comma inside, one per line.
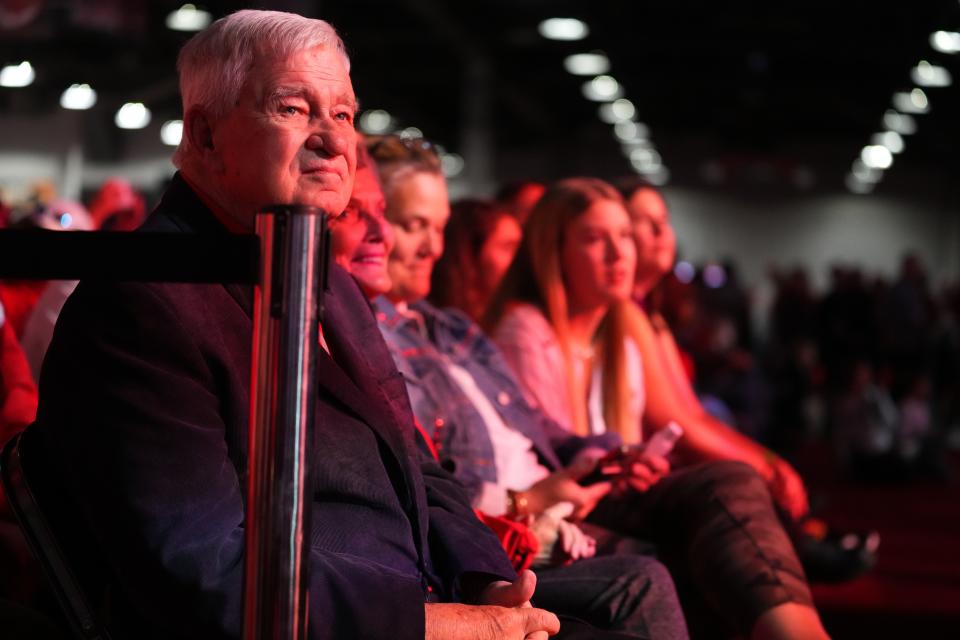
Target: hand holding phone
(662,442)
(618,461)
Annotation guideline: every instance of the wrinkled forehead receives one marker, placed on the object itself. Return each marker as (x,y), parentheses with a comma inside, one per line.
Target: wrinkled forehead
(301,73)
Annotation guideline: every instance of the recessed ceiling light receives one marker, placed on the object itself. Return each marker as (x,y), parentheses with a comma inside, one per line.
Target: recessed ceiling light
(945,41)
(452,164)
(188,18)
(911,102)
(132,115)
(376,121)
(587,64)
(171,132)
(901,123)
(17,75)
(411,133)
(889,139)
(563,29)
(602,89)
(645,160)
(78,96)
(930,75)
(876,156)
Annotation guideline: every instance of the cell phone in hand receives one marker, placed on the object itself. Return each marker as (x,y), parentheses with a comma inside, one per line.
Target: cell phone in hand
(661,443)
(618,460)
(609,466)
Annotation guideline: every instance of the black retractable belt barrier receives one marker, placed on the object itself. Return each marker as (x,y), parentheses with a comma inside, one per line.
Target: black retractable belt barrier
(128,257)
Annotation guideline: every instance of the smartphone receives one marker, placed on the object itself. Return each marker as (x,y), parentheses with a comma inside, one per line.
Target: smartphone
(609,466)
(661,443)
(616,461)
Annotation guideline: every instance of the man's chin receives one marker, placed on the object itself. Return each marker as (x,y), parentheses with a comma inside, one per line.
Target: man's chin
(331,201)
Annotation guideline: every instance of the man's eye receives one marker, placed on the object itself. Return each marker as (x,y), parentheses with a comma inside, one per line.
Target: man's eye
(346,116)
(291,109)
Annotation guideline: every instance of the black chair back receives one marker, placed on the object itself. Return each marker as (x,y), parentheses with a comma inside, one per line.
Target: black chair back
(44,544)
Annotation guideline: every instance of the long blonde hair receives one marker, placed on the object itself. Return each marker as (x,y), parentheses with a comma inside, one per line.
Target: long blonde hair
(536,277)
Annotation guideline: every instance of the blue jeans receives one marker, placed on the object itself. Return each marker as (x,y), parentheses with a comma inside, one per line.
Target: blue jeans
(630,593)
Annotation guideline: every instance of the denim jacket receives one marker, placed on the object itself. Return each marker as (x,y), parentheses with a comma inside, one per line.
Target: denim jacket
(422,343)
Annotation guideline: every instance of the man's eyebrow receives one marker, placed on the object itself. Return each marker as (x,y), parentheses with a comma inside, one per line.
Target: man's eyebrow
(287,91)
(350,101)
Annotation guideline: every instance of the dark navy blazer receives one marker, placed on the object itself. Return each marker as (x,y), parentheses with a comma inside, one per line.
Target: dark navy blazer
(142,434)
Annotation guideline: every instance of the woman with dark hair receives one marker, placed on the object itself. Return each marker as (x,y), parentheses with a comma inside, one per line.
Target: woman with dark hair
(562,318)
(670,396)
(480,241)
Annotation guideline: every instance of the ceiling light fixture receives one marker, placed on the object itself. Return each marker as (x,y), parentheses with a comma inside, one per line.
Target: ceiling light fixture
(889,139)
(78,97)
(602,89)
(376,121)
(565,29)
(901,123)
(17,75)
(132,115)
(171,132)
(188,18)
(911,102)
(945,41)
(930,75)
(876,156)
(587,64)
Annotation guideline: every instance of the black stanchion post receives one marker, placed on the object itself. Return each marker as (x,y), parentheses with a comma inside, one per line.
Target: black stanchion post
(293,243)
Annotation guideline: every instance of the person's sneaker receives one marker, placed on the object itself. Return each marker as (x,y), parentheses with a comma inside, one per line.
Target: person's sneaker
(828,555)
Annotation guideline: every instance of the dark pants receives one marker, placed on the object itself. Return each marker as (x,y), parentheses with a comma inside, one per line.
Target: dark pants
(716,529)
(629,593)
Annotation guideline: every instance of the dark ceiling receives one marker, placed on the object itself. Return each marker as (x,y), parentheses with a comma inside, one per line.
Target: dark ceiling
(787,82)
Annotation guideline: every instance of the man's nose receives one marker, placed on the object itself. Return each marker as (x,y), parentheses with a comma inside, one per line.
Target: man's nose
(331,143)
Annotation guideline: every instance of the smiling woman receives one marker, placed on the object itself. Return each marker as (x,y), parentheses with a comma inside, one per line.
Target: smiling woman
(417,209)
(362,239)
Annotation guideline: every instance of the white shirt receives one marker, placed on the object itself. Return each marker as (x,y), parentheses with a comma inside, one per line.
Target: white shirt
(530,345)
(517,464)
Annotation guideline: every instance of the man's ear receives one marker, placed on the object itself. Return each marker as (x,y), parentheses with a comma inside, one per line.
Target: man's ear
(198,128)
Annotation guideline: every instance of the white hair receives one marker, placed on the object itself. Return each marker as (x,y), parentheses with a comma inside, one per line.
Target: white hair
(213,65)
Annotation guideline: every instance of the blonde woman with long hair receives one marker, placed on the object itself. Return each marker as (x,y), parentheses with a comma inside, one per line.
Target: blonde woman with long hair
(582,225)
(562,319)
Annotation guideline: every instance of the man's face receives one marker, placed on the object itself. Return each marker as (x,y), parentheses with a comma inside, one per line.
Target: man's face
(290,138)
(362,239)
(418,210)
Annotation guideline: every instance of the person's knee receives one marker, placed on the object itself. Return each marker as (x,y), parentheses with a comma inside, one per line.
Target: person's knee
(717,478)
(646,578)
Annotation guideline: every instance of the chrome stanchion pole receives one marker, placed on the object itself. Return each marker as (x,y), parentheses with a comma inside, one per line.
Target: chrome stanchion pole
(293,241)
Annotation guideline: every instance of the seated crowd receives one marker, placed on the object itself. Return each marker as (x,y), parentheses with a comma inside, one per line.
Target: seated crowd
(490,378)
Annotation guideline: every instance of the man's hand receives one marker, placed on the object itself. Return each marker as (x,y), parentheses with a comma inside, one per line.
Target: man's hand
(487,622)
(503,610)
(562,486)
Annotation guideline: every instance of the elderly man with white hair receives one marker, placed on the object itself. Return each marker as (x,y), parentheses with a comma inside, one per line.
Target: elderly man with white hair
(141,434)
